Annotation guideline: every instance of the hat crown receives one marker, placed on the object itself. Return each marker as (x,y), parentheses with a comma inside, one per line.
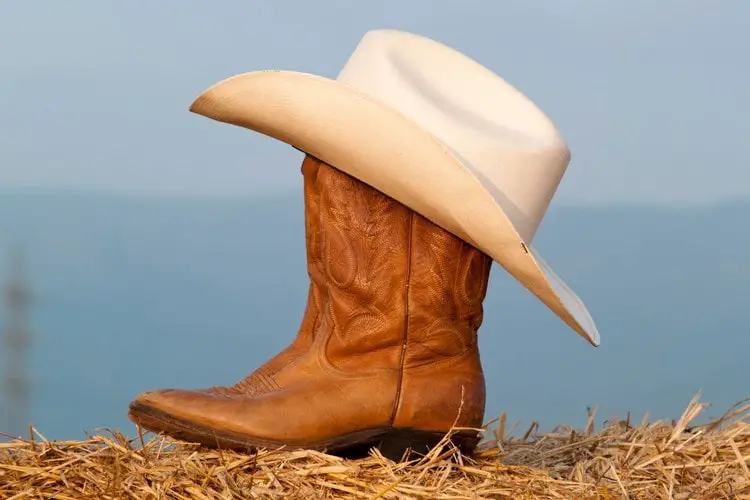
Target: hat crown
(502,137)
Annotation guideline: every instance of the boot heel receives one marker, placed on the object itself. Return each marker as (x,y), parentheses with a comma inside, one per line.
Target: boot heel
(403,444)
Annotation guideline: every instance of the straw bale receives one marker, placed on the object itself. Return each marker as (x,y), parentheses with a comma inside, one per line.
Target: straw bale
(665,459)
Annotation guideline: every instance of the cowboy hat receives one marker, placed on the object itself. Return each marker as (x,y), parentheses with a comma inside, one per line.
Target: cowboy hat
(434,130)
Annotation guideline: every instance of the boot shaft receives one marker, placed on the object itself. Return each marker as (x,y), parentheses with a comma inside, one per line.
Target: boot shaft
(362,239)
(392,284)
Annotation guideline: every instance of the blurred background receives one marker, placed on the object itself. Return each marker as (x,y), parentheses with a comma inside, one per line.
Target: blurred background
(144,247)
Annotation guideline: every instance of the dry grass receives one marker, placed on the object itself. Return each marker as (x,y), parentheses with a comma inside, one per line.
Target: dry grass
(649,461)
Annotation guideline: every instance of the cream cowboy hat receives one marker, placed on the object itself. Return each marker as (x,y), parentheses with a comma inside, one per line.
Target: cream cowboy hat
(432,129)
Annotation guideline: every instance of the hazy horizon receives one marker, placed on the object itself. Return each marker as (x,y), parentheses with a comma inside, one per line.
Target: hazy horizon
(291,191)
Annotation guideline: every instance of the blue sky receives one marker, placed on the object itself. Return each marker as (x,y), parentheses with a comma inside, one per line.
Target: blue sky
(653,97)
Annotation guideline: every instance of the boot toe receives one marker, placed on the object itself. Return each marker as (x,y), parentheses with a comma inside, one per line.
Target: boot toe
(172,411)
(201,417)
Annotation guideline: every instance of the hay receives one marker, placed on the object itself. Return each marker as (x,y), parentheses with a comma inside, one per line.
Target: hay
(675,460)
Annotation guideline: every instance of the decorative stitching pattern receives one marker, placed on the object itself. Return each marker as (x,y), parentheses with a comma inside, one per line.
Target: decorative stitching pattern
(364,239)
(450,282)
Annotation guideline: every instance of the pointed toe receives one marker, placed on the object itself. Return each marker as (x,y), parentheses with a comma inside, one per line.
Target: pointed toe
(168,411)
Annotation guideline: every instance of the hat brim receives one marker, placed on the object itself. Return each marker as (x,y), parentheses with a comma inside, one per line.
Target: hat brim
(382,148)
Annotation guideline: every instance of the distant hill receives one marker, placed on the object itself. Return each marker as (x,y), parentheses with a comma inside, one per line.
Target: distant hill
(134,294)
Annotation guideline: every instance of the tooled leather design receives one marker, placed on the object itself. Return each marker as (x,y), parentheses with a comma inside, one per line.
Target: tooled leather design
(363,248)
(262,381)
(449,284)
(364,244)
(374,249)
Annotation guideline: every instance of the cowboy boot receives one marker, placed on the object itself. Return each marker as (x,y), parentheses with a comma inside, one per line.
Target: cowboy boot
(394,360)
(262,379)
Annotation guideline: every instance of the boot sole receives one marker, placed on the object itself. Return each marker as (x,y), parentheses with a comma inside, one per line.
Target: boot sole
(396,444)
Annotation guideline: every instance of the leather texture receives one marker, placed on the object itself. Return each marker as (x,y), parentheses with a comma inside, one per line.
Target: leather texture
(388,340)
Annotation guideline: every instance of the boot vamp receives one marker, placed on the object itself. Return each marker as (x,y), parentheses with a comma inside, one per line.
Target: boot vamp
(313,409)
(263,379)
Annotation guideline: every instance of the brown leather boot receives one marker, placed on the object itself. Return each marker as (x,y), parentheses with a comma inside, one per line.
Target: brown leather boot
(393,361)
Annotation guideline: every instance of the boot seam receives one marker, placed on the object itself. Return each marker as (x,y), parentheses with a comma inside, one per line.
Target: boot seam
(405,338)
